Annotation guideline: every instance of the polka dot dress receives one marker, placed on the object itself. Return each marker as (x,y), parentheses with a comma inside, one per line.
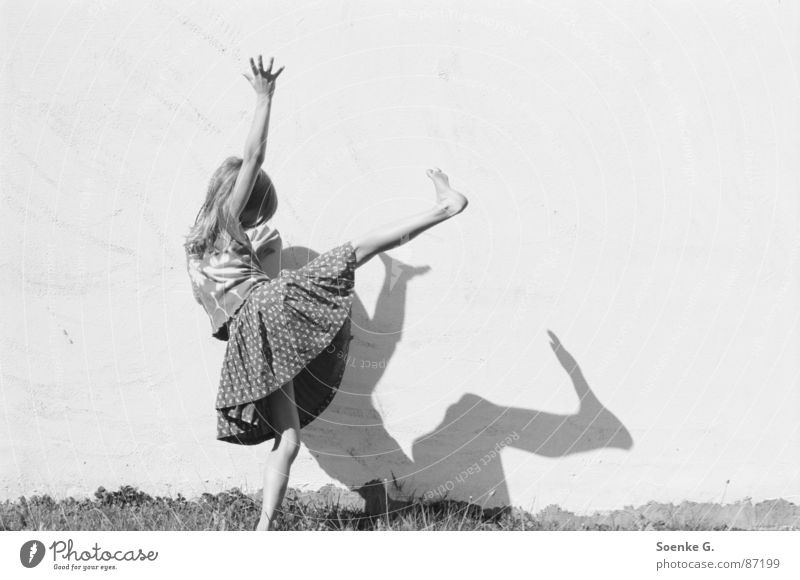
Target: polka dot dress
(295,326)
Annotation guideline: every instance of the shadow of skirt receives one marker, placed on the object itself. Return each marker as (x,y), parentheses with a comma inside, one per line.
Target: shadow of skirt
(295,326)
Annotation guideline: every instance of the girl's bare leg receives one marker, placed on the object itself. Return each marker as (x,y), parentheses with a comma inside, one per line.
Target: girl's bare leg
(283,414)
(448,203)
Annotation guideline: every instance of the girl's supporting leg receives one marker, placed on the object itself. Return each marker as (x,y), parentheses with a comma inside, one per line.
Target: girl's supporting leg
(283,415)
(449,202)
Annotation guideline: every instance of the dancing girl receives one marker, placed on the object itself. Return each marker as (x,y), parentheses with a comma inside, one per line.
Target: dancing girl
(287,331)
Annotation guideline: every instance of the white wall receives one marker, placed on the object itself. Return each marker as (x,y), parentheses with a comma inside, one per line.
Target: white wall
(633,176)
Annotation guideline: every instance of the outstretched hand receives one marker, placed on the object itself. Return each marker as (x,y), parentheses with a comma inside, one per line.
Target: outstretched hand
(262,81)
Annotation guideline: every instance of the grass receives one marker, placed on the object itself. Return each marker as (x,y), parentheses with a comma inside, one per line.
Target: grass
(131,509)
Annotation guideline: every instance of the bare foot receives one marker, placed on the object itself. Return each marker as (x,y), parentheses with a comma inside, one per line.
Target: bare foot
(263,524)
(447,198)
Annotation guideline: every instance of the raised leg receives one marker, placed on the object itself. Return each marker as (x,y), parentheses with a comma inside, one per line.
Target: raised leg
(449,202)
(283,414)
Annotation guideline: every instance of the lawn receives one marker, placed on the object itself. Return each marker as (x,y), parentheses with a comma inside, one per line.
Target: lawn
(131,509)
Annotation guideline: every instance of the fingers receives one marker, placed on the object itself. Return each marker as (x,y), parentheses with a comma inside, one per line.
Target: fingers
(259,70)
(248,77)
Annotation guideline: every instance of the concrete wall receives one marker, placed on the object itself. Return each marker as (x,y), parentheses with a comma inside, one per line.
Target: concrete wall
(633,176)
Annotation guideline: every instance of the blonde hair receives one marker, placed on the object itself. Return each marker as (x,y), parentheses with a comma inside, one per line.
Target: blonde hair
(212,221)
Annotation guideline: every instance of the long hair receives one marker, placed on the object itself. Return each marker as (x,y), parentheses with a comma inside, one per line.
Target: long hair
(212,221)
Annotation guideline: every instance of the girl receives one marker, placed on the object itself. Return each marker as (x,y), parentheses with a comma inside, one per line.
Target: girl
(287,330)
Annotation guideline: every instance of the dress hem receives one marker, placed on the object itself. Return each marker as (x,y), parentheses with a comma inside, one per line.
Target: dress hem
(251,407)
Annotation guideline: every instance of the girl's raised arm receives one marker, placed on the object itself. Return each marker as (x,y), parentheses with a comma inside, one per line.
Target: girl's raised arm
(263,82)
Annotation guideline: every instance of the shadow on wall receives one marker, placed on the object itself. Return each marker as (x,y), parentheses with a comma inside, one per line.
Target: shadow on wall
(461,457)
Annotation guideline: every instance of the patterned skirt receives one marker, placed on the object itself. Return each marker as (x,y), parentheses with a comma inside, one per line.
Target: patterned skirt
(293,327)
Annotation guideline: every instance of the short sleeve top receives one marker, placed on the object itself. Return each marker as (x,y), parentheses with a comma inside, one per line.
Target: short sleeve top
(223,277)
